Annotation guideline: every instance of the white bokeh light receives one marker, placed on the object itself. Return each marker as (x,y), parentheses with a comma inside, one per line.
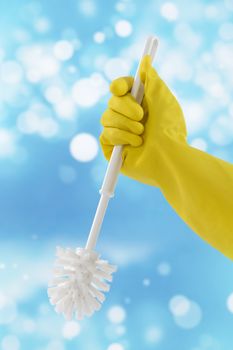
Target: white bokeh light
(87,7)
(211,12)
(100,61)
(85,93)
(164,268)
(146,282)
(99,37)
(115,346)
(71,330)
(120,6)
(123,28)
(84,147)
(187,314)
(120,330)
(53,94)
(21,35)
(196,116)
(11,72)
(8,310)
(65,108)
(223,56)
(38,62)
(114,331)
(191,318)
(7,143)
(63,50)
(127,300)
(42,24)
(67,174)
(133,52)
(217,90)
(179,305)
(226,31)
(116,314)
(116,67)
(230,302)
(199,143)
(176,65)
(100,83)
(2,266)
(10,342)
(48,128)
(126,7)
(169,11)
(211,82)
(31,122)
(153,334)
(28,122)
(221,131)
(15,95)
(187,37)
(230,110)
(203,77)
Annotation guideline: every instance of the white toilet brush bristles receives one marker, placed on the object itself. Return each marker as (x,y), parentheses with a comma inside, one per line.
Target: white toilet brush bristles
(79,279)
(80,275)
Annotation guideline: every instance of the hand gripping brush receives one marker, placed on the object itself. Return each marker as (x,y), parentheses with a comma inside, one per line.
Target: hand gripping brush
(80,275)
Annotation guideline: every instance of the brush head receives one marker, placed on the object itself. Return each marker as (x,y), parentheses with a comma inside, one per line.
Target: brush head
(78,283)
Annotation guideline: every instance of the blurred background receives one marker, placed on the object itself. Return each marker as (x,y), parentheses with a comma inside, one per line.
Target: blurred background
(57,58)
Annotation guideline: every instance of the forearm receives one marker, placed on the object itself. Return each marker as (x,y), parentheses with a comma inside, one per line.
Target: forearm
(200,189)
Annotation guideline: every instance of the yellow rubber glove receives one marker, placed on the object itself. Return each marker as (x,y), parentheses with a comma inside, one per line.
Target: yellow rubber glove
(197,185)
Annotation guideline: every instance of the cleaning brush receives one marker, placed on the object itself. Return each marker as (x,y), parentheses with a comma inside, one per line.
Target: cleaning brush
(80,276)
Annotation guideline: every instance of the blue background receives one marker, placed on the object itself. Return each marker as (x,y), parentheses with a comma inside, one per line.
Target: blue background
(171,290)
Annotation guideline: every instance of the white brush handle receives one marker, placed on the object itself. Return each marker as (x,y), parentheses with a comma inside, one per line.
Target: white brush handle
(114,166)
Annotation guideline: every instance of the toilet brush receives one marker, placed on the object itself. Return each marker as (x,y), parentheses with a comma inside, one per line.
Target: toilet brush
(80,275)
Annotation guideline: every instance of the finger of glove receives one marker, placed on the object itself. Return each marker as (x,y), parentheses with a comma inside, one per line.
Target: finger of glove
(121,86)
(113,119)
(106,149)
(127,106)
(114,136)
(146,70)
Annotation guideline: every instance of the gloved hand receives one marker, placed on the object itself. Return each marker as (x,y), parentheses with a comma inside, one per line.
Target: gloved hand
(197,185)
(141,128)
